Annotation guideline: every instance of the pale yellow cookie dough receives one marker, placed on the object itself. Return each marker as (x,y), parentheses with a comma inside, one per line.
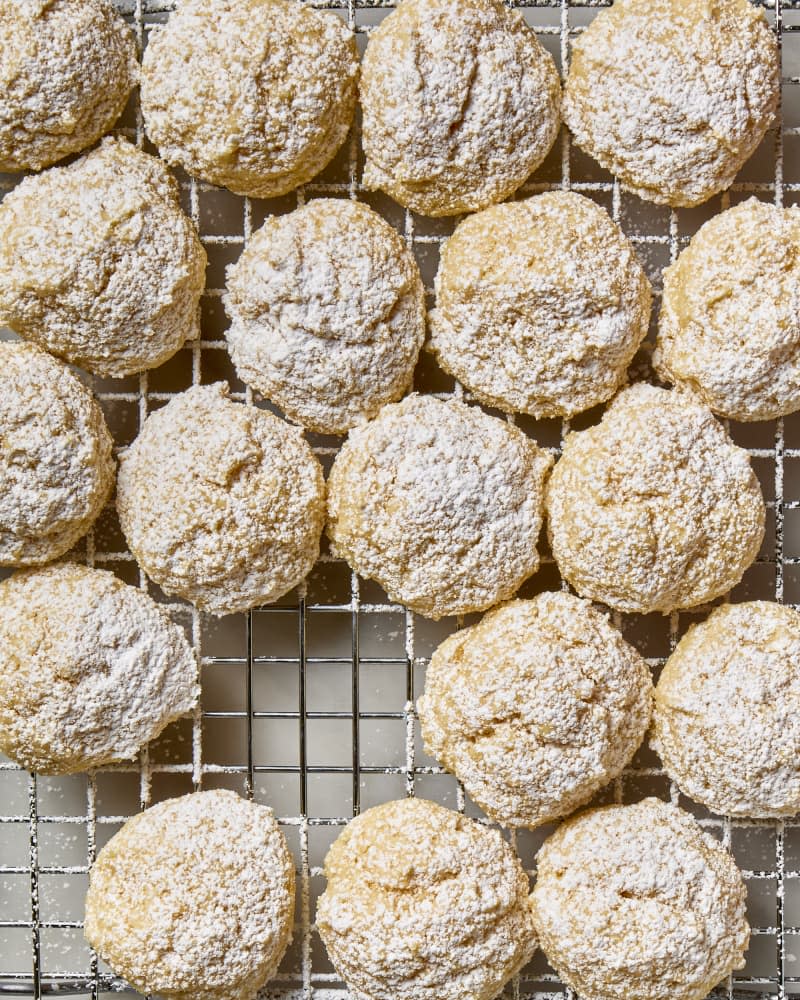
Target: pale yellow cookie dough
(193,899)
(328,313)
(99,264)
(730,315)
(66,70)
(541,305)
(56,459)
(654,508)
(90,669)
(639,903)
(460,104)
(440,504)
(423,903)
(254,95)
(536,707)
(673,96)
(222,504)
(727,712)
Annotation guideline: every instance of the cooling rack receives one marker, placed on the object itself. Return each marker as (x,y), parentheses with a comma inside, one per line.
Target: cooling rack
(308,705)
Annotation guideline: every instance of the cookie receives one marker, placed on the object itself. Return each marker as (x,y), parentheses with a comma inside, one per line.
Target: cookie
(327,314)
(540,305)
(536,707)
(254,95)
(654,508)
(440,504)
(90,669)
(66,70)
(423,903)
(729,324)
(193,899)
(98,263)
(639,903)
(725,721)
(460,104)
(221,504)
(56,459)
(673,96)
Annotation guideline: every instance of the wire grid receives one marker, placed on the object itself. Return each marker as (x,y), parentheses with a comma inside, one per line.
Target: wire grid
(308,704)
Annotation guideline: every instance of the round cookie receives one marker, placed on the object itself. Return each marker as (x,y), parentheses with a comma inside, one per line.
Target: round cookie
(440,504)
(638,903)
(98,263)
(536,707)
(56,458)
(673,96)
(423,903)
(730,314)
(541,305)
(66,70)
(193,899)
(222,504)
(654,508)
(90,669)
(328,313)
(460,105)
(725,721)
(254,95)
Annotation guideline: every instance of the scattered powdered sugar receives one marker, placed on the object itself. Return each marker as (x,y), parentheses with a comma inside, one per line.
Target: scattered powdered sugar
(727,715)
(673,95)
(536,707)
(541,305)
(98,263)
(66,70)
(654,508)
(425,904)
(638,903)
(56,461)
(440,504)
(221,503)
(460,104)
(90,669)
(328,313)
(194,898)
(730,318)
(255,95)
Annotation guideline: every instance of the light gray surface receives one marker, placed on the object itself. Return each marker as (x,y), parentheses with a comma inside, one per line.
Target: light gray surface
(282,686)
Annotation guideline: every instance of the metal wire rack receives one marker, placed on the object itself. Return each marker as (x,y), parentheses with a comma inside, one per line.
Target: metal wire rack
(308,705)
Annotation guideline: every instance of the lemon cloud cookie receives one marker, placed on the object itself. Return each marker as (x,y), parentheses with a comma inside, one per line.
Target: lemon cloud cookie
(328,313)
(254,95)
(639,903)
(99,264)
(90,669)
(440,504)
(726,713)
(541,305)
(730,314)
(222,504)
(66,70)
(536,707)
(56,461)
(673,95)
(423,903)
(193,899)
(460,104)
(654,508)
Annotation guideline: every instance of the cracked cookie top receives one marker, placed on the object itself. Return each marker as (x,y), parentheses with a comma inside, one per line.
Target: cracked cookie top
(536,707)
(423,903)
(654,508)
(639,903)
(460,102)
